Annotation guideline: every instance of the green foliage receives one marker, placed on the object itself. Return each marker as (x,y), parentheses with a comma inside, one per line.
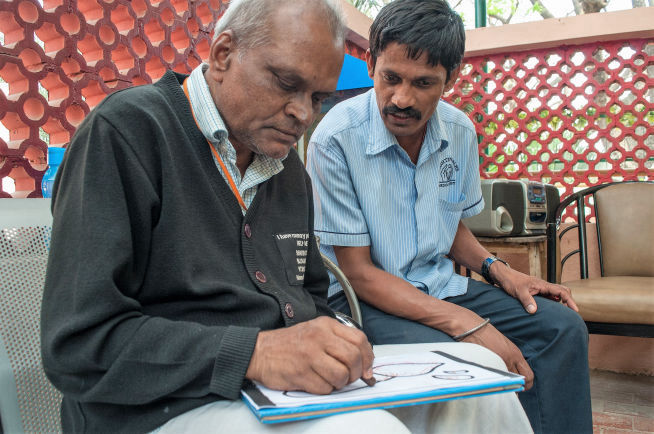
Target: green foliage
(467,108)
(555,122)
(511,126)
(492,168)
(580,123)
(534,167)
(650,117)
(556,166)
(502,7)
(364,6)
(534,147)
(490,149)
(536,7)
(43,91)
(533,125)
(44,136)
(490,128)
(369,7)
(628,119)
(555,145)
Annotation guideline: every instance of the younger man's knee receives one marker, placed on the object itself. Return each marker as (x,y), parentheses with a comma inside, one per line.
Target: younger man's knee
(568,323)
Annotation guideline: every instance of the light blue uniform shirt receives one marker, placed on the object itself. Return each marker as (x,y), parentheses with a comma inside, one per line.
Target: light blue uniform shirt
(367,192)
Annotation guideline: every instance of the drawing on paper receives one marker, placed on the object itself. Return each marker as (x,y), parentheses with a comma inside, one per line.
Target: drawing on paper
(388,371)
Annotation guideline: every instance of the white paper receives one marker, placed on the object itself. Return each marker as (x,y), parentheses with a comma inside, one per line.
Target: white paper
(396,375)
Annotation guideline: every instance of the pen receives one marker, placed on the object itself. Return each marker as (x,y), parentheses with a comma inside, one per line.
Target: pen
(369,381)
(350,322)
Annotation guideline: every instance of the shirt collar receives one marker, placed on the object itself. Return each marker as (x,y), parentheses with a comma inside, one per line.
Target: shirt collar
(204,108)
(209,120)
(381,139)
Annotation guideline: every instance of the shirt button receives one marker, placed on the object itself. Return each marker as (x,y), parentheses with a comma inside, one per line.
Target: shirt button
(289,310)
(248,231)
(260,277)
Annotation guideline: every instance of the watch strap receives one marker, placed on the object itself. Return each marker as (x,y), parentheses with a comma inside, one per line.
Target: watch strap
(485,268)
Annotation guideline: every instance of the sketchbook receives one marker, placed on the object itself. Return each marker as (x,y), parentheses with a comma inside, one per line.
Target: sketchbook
(408,379)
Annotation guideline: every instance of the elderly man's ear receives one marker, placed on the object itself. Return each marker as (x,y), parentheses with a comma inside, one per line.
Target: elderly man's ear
(223,49)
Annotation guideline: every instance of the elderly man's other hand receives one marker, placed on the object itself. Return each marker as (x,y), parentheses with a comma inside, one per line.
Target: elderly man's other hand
(316,356)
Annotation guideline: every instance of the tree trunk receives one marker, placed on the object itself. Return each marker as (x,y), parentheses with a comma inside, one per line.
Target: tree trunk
(542,10)
(592,6)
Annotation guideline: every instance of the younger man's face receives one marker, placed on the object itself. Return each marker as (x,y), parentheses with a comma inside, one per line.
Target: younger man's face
(407,90)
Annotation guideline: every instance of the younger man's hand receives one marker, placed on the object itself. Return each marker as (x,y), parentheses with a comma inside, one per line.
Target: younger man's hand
(489,337)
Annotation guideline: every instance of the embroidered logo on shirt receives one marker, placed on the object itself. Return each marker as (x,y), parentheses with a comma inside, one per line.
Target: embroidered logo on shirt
(447,171)
(293,248)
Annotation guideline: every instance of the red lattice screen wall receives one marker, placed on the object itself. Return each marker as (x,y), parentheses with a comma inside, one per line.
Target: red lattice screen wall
(60,58)
(571,116)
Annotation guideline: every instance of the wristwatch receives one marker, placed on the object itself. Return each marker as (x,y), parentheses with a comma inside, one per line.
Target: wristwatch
(485,268)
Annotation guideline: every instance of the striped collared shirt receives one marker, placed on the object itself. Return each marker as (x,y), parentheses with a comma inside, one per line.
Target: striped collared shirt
(367,192)
(212,126)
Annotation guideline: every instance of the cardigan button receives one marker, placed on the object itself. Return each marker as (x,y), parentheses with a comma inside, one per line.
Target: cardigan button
(248,231)
(260,277)
(289,310)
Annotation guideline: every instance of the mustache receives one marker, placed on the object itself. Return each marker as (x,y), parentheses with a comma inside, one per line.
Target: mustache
(409,111)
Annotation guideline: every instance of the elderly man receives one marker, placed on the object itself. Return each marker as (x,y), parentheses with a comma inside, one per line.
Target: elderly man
(180,213)
(394,171)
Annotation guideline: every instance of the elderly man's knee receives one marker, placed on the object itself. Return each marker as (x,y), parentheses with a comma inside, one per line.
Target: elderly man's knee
(377,421)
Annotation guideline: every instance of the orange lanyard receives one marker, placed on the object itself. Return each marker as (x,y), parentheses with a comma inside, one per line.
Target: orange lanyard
(231,182)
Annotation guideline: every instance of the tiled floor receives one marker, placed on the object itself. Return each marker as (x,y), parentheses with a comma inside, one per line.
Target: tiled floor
(622,403)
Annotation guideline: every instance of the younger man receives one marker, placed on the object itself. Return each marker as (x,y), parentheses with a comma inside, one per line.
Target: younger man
(394,172)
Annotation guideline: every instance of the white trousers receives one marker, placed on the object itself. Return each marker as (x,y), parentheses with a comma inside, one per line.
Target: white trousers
(487,414)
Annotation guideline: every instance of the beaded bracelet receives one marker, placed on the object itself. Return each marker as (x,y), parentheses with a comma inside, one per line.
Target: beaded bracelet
(471,331)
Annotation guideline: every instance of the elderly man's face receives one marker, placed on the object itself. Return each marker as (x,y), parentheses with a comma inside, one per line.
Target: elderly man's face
(269,95)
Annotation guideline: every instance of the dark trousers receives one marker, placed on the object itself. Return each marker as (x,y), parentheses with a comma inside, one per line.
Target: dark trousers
(554,341)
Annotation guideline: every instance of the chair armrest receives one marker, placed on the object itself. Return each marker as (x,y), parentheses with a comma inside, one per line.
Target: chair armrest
(351,296)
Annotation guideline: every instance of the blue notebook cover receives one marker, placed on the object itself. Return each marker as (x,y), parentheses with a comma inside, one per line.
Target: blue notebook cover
(418,378)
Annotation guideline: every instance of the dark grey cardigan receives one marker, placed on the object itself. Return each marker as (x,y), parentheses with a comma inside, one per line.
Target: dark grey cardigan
(155,292)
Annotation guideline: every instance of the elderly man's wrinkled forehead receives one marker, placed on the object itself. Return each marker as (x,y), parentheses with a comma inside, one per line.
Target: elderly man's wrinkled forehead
(252,21)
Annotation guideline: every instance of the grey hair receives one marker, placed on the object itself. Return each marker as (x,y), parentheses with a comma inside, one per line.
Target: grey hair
(250,22)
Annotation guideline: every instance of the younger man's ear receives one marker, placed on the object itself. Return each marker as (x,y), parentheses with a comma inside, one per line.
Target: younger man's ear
(221,54)
(452,80)
(370,62)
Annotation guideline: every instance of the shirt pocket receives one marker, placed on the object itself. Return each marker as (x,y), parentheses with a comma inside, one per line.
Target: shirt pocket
(293,248)
(454,207)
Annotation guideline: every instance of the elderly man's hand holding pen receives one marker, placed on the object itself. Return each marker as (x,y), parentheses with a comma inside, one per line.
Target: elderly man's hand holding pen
(316,356)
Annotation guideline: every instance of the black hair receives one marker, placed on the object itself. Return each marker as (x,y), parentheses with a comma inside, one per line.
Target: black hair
(429,26)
